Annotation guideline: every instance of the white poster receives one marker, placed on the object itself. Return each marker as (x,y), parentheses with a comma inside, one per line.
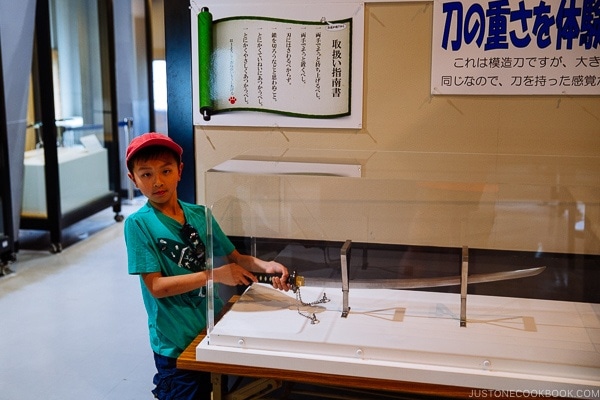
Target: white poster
(516,47)
(278,66)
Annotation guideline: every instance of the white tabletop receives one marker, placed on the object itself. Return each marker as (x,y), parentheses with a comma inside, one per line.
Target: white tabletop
(508,343)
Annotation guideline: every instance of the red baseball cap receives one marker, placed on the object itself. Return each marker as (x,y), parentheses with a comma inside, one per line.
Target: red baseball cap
(151,139)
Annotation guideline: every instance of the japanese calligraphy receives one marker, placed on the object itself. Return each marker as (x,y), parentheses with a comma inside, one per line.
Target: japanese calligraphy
(272,64)
(336,73)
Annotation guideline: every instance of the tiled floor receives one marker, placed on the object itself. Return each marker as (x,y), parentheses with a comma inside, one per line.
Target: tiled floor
(72,324)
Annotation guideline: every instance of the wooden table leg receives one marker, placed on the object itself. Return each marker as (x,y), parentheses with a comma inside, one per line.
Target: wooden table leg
(219,386)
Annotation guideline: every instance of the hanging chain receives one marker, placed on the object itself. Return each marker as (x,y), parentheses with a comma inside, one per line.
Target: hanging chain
(311,316)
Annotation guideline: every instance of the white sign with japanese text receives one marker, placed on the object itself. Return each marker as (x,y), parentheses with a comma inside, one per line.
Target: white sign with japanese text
(292,66)
(516,47)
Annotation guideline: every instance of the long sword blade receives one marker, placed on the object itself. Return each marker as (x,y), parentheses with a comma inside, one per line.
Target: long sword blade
(297,281)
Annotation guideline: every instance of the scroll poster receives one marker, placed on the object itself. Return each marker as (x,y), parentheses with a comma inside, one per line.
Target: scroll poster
(295,69)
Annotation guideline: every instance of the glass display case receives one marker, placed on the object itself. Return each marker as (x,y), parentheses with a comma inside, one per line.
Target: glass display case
(372,247)
(71,167)
(505,212)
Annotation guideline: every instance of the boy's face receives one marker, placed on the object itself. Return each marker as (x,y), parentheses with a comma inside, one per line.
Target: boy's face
(157,177)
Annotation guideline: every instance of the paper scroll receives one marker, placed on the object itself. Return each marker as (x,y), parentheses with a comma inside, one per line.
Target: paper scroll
(274,65)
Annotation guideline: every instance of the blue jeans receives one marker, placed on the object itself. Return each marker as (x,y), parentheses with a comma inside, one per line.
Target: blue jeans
(179,384)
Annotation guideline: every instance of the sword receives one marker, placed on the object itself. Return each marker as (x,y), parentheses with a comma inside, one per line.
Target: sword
(296,281)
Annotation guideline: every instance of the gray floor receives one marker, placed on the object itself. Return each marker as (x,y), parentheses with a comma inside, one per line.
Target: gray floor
(72,324)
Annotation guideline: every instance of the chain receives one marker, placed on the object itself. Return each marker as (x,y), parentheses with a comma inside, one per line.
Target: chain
(312,317)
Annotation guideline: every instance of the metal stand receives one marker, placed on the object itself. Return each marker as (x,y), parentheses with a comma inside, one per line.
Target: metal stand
(464,277)
(127,124)
(344,265)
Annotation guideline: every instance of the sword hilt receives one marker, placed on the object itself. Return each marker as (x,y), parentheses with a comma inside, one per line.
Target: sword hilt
(294,280)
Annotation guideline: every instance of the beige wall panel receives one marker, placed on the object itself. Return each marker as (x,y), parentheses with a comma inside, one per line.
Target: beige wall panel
(500,172)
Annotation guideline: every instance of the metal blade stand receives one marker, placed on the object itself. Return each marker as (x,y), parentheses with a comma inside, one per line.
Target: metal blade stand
(344,265)
(464,277)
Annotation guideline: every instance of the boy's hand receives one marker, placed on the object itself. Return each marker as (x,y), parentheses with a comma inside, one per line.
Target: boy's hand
(251,263)
(273,267)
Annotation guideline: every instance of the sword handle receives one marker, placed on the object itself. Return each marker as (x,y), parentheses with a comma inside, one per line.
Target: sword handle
(294,280)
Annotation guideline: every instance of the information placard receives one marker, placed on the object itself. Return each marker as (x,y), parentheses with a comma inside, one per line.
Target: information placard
(516,47)
(288,66)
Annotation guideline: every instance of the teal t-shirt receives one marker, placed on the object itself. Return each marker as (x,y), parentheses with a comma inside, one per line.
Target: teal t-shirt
(173,321)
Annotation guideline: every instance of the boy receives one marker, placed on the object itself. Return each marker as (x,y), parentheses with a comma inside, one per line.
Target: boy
(165,247)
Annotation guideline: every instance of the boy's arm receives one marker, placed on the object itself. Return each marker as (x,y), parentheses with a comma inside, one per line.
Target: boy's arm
(164,286)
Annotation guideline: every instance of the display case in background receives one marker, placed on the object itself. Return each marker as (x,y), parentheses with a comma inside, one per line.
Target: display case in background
(80,185)
(77,187)
(72,169)
(407,221)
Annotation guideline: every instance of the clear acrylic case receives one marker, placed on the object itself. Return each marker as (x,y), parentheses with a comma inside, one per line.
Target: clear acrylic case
(406,221)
